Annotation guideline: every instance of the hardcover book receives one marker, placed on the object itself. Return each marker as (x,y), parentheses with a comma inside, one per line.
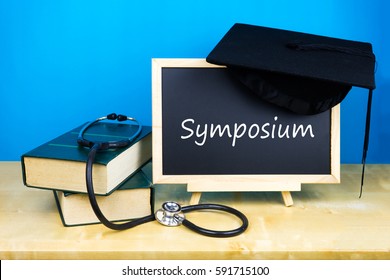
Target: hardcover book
(60,164)
(133,199)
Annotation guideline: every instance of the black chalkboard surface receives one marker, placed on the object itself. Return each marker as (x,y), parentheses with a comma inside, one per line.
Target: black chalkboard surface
(208,125)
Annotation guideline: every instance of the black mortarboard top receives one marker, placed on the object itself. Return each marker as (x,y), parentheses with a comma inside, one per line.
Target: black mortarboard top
(304,73)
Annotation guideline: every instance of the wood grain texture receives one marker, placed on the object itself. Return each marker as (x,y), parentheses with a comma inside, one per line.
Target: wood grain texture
(327,221)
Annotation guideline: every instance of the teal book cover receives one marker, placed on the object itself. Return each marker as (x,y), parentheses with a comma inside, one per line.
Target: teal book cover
(60,163)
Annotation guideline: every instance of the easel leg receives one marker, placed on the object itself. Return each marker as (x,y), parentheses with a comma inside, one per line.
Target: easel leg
(287,198)
(195,198)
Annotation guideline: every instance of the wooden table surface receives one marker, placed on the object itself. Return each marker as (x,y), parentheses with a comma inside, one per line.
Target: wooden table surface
(325,222)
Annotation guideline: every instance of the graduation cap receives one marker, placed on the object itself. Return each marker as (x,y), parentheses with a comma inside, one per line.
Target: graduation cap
(304,73)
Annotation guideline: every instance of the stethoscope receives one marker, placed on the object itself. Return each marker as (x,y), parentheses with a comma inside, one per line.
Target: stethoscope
(171,213)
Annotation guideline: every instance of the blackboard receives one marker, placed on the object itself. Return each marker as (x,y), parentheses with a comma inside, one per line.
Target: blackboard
(208,128)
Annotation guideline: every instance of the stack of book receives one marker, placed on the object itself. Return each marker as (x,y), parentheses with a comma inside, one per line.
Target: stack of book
(121,177)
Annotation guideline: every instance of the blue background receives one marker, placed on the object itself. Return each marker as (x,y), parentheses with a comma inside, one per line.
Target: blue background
(66,62)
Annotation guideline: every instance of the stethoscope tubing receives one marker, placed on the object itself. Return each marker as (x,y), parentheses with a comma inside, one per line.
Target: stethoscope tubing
(93,201)
(215,233)
(185,209)
(98,146)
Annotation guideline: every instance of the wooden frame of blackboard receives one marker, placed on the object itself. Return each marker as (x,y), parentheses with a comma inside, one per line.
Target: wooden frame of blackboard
(198,183)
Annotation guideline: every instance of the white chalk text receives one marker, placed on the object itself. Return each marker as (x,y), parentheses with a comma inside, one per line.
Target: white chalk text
(200,133)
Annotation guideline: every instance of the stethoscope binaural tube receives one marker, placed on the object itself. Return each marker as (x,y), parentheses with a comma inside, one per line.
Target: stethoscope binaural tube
(171,214)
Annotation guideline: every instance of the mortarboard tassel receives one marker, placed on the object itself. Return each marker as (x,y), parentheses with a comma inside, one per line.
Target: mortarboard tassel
(366,139)
(351,51)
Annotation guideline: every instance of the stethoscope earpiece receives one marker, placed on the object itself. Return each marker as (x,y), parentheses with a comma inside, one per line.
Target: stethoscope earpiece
(108,144)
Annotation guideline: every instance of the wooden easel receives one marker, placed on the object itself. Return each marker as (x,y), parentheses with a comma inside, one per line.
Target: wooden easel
(197,188)
(286,196)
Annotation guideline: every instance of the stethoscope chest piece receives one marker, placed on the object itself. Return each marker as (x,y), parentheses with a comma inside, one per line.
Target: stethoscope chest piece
(170,214)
